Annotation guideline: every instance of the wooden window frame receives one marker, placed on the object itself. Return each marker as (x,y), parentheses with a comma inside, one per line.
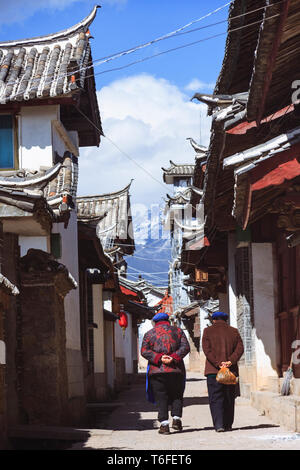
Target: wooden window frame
(15,141)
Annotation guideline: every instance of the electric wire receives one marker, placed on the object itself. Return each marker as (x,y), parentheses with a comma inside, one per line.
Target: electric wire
(144,59)
(107,59)
(150,259)
(138,47)
(157,272)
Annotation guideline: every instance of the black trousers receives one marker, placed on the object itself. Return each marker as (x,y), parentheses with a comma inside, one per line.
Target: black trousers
(168,390)
(221,402)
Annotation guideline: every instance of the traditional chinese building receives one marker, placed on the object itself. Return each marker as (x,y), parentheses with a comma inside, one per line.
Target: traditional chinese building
(48,111)
(180,177)
(251,197)
(108,219)
(182,222)
(8,293)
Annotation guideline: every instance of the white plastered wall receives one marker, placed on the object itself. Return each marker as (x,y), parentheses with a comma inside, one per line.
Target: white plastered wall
(35,136)
(99,353)
(264,311)
(36,149)
(69,257)
(123,344)
(231,279)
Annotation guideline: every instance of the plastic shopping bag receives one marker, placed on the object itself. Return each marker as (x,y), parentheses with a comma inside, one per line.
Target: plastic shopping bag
(226,377)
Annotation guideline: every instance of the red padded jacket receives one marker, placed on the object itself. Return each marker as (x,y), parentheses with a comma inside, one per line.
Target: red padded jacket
(165,339)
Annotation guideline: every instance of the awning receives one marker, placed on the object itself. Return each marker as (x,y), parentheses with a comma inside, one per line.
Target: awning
(261,178)
(274,171)
(245,126)
(267,174)
(126,291)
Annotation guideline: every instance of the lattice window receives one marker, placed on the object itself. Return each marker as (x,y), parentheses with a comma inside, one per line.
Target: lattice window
(245,300)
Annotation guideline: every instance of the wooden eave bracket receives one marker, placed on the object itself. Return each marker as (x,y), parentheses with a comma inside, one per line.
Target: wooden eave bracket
(59,127)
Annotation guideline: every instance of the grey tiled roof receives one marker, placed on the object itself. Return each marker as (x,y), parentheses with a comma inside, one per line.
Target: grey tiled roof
(189,310)
(110,213)
(180,197)
(43,67)
(56,185)
(143,286)
(179,169)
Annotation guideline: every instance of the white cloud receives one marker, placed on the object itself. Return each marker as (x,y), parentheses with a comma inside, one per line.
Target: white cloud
(199,85)
(149,119)
(19,10)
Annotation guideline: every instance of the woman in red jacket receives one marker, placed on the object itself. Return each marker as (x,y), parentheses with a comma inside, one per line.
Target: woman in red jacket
(165,346)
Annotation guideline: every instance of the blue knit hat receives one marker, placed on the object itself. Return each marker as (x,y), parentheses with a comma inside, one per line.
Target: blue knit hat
(161,317)
(219,315)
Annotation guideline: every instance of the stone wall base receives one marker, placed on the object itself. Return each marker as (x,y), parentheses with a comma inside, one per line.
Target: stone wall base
(101,391)
(247,380)
(75,373)
(295,387)
(77,412)
(120,380)
(3,433)
(282,410)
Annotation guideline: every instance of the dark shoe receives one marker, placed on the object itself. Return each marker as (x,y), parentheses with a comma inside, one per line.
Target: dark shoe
(228,428)
(164,429)
(220,430)
(177,424)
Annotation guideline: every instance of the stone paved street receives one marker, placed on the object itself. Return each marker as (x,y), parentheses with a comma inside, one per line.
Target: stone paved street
(133,425)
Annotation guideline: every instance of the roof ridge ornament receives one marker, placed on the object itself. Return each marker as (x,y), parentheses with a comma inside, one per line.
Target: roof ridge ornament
(197,147)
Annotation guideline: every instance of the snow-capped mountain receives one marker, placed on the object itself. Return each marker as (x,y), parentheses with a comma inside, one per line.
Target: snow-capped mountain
(153,252)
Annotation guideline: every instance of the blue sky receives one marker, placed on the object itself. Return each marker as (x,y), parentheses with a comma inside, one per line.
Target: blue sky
(121,24)
(145,109)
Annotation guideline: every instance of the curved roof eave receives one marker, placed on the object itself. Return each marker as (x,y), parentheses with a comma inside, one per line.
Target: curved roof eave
(66,33)
(107,195)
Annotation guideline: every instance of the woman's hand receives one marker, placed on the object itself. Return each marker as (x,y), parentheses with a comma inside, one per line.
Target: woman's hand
(166,359)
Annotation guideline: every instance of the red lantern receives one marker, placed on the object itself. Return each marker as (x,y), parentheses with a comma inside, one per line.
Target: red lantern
(123,320)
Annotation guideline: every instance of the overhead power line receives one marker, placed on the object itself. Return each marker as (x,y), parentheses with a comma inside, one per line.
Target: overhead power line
(150,259)
(144,59)
(175,33)
(144,272)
